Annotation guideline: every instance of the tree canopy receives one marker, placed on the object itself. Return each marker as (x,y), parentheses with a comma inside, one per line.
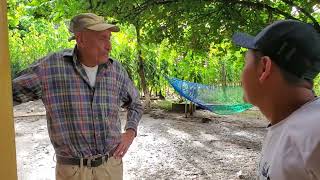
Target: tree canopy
(187,39)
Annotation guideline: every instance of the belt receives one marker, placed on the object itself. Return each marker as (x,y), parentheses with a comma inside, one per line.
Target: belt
(89,162)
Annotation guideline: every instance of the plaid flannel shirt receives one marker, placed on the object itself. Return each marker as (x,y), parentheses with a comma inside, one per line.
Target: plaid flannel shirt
(82,120)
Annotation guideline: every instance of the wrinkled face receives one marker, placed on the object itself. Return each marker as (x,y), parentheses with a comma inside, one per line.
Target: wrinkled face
(95,44)
(250,78)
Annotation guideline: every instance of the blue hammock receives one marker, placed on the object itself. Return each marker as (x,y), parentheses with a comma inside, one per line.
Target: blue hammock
(217,99)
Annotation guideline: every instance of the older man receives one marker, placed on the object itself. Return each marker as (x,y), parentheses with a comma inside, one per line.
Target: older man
(82,90)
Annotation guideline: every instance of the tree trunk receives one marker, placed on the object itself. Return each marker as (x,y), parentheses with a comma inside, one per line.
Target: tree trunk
(143,81)
(161,96)
(223,74)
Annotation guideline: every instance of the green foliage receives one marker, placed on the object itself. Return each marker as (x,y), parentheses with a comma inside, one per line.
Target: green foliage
(34,30)
(39,39)
(124,49)
(187,39)
(317,85)
(162,104)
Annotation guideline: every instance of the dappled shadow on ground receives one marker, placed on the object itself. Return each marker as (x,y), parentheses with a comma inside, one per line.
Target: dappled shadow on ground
(218,149)
(168,145)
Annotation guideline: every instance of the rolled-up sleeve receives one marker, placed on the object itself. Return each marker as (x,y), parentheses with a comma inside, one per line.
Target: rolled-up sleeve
(131,99)
(27,86)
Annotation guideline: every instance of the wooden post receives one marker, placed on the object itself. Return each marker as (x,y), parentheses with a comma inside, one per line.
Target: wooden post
(191,108)
(8,165)
(186,108)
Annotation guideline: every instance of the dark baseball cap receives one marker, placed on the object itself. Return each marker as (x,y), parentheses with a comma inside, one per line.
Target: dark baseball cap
(293,45)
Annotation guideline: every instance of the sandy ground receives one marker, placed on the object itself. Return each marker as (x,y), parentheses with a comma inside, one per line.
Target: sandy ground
(168,145)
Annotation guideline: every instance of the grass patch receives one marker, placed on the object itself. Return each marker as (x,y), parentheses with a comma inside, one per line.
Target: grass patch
(162,104)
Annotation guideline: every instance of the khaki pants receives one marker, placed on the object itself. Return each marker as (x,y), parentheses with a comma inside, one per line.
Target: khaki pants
(110,170)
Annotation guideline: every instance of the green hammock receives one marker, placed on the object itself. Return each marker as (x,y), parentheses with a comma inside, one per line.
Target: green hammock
(217,99)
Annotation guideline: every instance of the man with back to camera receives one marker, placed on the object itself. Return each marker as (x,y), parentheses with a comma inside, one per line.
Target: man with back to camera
(280,65)
(82,90)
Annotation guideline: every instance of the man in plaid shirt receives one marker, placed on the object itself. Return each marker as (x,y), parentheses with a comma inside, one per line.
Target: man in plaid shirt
(82,90)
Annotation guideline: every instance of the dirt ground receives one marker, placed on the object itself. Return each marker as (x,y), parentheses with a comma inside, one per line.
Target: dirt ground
(168,145)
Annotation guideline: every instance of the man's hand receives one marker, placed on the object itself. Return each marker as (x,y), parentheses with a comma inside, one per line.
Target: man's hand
(126,141)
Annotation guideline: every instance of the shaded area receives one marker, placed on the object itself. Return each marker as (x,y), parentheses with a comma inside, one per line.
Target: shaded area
(168,146)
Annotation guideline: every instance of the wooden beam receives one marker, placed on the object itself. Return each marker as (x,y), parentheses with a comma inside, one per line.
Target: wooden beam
(8,165)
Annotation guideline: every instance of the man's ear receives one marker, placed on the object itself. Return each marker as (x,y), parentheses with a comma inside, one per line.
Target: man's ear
(265,68)
(79,39)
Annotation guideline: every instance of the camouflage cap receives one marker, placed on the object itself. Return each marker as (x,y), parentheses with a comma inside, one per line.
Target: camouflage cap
(90,21)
